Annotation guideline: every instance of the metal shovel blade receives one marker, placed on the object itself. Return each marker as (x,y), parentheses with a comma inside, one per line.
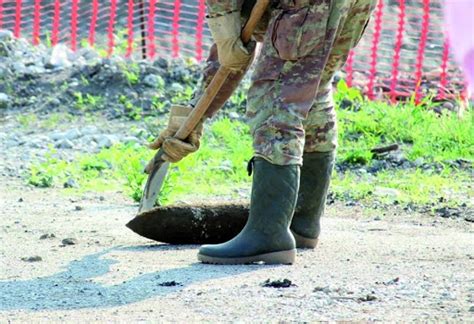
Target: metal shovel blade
(191,224)
(153,185)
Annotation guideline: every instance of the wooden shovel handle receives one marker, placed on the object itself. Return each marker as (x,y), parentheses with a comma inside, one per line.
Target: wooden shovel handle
(221,75)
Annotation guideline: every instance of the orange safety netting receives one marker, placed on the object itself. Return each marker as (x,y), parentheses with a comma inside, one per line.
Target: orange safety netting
(404,52)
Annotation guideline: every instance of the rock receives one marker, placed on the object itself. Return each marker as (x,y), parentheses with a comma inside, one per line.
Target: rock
(35,143)
(105,141)
(141,133)
(469,216)
(18,68)
(78,208)
(471,309)
(447,212)
(176,87)
(153,81)
(35,258)
(285,283)
(447,295)
(89,130)
(70,183)
(161,63)
(419,162)
(89,54)
(233,115)
(72,134)
(47,236)
(387,192)
(34,70)
(367,298)
(130,139)
(55,136)
(5,35)
(4,100)
(169,284)
(325,290)
(397,157)
(64,144)
(59,57)
(69,241)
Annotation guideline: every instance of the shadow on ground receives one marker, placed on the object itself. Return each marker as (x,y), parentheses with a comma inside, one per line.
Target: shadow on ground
(74,288)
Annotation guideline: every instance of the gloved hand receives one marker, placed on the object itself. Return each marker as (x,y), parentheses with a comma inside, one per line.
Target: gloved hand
(231,51)
(175,149)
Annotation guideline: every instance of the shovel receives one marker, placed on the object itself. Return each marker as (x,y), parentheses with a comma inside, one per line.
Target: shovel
(170,225)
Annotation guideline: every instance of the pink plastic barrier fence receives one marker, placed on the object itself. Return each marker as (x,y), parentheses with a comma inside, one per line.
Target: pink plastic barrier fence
(404,52)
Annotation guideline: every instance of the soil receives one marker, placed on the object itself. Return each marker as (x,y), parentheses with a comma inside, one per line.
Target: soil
(70,258)
(380,265)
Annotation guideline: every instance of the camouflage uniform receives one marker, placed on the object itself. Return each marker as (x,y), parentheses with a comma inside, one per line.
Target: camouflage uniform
(305,43)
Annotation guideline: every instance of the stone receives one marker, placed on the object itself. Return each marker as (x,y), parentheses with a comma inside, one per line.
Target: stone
(4,100)
(55,136)
(233,115)
(47,236)
(18,68)
(5,35)
(69,241)
(176,87)
(130,139)
(419,162)
(34,70)
(105,141)
(284,283)
(59,57)
(64,144)
(89,130)
(169,284)
(70,183)
(153,81)
(72,134)
(367,298)
(35,258)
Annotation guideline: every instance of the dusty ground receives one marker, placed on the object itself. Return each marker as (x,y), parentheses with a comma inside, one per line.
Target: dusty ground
(403,268)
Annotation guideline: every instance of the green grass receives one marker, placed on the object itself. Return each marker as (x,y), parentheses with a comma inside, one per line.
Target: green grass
(425,134)
(219,167)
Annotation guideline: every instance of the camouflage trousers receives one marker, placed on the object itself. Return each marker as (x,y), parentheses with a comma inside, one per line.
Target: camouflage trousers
(290,106)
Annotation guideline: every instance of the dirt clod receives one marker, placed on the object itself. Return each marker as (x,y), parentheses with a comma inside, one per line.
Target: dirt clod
(169,284)
(284,283)
(69,241)
(35,258)
(47,236)
(367,298)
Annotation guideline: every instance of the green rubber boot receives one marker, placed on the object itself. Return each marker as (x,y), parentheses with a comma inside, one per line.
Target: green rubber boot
(266,237)
(314,184)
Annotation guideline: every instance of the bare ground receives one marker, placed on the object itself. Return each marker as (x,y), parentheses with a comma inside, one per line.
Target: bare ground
(401,268)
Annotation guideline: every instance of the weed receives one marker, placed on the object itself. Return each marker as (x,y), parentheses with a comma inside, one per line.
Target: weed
(87,102)
(131,71)
(27,120)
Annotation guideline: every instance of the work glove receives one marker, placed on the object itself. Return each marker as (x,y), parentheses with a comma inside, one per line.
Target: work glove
(231,51)
(174,149)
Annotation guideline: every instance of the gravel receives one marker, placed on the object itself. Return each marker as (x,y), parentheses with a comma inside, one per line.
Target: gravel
(355,274)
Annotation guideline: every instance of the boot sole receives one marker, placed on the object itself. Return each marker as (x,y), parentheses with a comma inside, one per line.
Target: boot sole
(305,242)
(281,257)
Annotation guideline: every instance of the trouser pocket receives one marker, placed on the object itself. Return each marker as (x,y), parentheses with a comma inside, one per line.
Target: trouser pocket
(298,31)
